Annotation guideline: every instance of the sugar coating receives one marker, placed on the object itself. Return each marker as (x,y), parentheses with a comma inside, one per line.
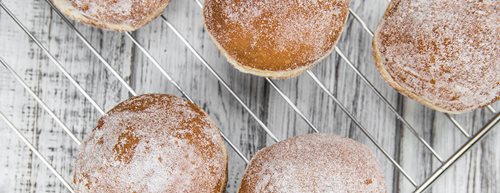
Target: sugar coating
(443,51)
(130,12)
(314,163)
(276,34)
(152,143)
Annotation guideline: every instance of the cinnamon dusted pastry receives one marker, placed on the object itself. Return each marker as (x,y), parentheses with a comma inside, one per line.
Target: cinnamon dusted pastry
(152,143)
(314,163)
(117,15)
(443,54)
(275,38)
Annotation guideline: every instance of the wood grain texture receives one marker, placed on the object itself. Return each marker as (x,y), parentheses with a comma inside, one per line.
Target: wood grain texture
(21,171)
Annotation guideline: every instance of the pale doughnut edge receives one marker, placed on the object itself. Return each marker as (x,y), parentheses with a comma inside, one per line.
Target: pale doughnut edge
(223,145)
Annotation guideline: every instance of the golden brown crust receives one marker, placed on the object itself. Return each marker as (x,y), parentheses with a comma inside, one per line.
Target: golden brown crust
(152,143)
(118,15)
(446,62)
(277,39)
(313,163)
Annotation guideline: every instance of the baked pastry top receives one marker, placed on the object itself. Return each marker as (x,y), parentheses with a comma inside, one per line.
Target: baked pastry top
(441,53)
(152,143)
(275,35)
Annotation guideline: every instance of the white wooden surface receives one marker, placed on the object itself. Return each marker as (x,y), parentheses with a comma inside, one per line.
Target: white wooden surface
(21,171)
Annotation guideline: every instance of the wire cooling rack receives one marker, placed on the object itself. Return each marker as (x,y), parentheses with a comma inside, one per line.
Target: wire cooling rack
(419,187)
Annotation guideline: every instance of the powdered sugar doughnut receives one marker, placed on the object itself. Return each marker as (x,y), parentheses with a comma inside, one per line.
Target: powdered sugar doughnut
(443,54)
(313,163)
(118,15)
(152,143)
(275,38)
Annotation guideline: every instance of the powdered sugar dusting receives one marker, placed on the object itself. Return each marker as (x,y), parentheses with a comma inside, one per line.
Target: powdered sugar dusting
(444,51)
(129,12)
(276,34)
(314,163)
(173,147)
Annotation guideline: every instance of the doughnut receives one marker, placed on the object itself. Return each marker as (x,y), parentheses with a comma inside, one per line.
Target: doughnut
(116,15)
(442,54)
(152,143)
(314,163)
(275,38)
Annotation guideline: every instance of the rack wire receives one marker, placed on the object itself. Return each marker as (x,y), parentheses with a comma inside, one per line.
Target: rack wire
(419,187)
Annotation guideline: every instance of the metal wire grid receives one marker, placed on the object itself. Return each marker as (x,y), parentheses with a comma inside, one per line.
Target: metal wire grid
(419,187)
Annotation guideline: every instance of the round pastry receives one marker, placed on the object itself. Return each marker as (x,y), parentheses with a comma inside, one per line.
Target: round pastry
(152,143)
(442,54)
(275,38)
(117,15)
(313,163)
